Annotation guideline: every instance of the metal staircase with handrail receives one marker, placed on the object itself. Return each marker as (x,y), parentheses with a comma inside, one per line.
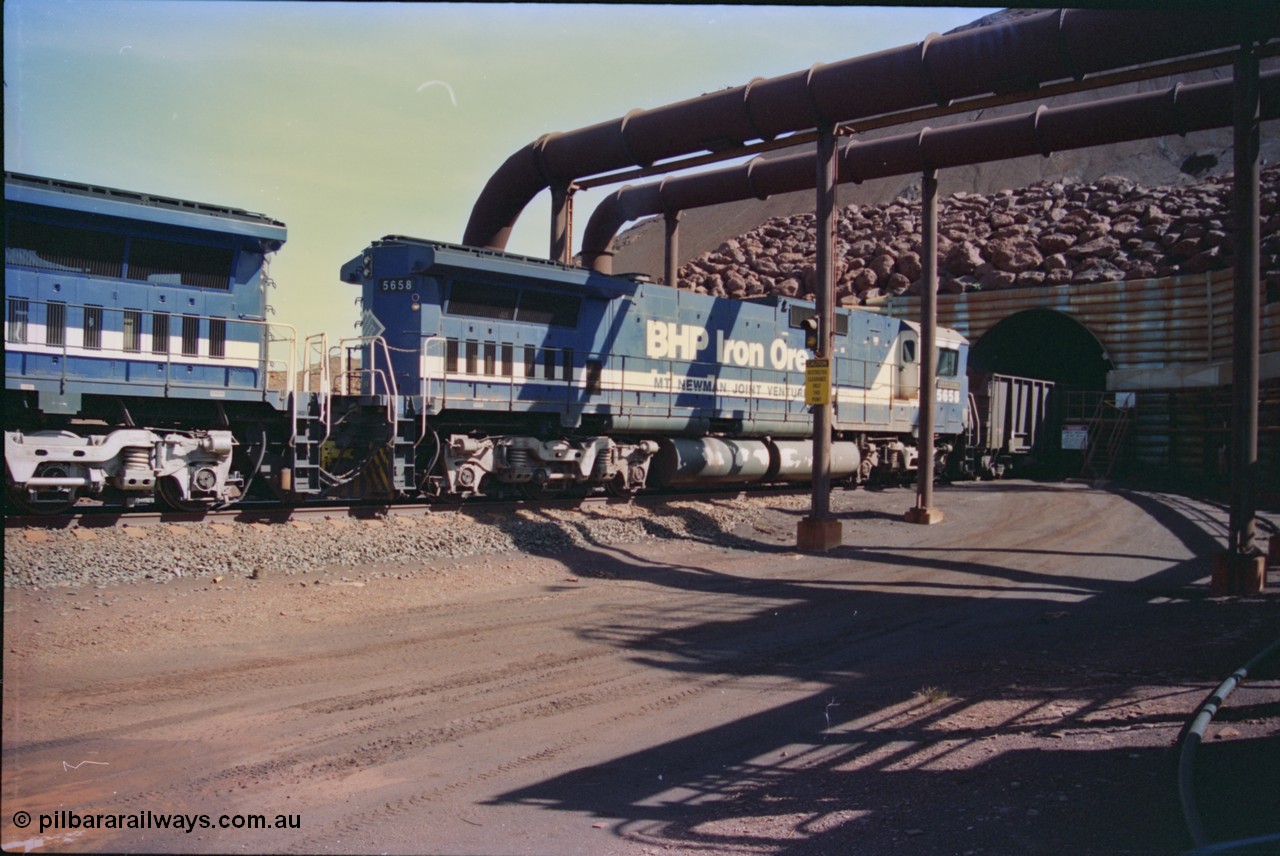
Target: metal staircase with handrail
(1108,427)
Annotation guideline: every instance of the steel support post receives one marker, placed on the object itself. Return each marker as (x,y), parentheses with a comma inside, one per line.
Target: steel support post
(924,512)
(562,224)
(820,531)
(671,259)
(1242,569)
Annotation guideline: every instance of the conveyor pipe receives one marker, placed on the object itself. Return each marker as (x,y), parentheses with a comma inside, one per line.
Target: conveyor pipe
(1178,110)
(1017,55)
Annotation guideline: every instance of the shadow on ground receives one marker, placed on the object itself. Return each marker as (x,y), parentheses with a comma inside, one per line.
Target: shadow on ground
(1076,687)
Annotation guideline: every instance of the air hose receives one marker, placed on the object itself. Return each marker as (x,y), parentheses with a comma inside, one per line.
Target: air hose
(1191,739)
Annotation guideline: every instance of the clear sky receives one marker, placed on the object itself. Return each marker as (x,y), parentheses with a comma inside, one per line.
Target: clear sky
(350,121)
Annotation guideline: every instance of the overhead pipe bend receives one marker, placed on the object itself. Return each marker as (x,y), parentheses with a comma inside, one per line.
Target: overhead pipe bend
(629,202)
(1178,110)
(1014,56)
(670,195)
(521,176)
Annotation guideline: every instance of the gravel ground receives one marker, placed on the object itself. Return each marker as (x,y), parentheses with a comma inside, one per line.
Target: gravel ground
(86,557)
(635,680)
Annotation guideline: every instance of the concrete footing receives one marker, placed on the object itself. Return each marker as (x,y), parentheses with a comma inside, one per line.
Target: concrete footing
(925,516)
(1237,574)
(819,534)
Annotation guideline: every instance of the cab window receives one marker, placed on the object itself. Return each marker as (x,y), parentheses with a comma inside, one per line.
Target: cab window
(948,362)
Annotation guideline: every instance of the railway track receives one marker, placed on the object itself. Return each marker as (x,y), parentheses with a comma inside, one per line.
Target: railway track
(90,516)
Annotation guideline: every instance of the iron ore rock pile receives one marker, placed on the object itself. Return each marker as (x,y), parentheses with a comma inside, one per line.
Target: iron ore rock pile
(1051,233)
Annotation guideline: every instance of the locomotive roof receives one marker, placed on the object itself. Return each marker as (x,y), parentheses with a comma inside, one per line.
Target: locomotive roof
(501,263)
(107,201)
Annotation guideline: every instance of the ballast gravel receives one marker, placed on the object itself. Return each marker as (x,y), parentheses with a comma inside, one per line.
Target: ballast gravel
(54,558)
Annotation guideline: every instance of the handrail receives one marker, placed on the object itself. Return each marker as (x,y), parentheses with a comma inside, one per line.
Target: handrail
(425,380)
(975,418)
(424,345)
(664,396)
(323,393)
(290,380)
(373,342)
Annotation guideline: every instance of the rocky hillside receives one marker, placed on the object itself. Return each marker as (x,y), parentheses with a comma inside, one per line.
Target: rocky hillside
(1191,168)
(1050,233)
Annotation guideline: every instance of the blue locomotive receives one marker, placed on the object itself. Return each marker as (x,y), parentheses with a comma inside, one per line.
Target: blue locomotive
(506,372)
(137,351)
(139,364)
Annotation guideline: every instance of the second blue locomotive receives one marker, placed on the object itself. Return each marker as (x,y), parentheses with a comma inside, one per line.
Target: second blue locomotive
(138,357)
(518,372)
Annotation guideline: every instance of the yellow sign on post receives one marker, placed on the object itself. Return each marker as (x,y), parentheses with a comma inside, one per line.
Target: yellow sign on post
(817,382)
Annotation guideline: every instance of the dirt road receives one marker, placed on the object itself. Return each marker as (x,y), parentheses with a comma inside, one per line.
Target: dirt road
(1011,680)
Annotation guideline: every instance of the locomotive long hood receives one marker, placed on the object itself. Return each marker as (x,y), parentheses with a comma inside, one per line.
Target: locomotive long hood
(443,257)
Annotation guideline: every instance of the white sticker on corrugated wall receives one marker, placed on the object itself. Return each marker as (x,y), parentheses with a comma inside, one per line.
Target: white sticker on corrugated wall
(1075,437)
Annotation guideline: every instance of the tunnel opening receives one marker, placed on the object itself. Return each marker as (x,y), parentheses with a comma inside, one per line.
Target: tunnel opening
(1042,428)
(1043,344)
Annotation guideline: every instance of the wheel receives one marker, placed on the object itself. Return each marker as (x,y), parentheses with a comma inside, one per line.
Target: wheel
(535,491)
(169,494)
(617,487)
(43,501)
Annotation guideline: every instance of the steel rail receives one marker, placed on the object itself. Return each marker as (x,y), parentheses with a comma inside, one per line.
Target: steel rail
(111,517)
